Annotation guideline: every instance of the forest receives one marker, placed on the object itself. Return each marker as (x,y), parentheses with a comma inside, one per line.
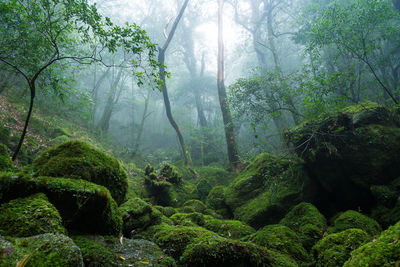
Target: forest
(199,133)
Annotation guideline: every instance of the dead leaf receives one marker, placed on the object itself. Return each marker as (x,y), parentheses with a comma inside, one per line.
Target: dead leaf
(145,261)
(23,262)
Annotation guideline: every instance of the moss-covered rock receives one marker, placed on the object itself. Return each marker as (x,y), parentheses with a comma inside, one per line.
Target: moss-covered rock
(188,219)
(137,215)
(348,152)
(83,206)
(215,175)
(281,238)
(334,249)
(58,140)
(201,190)
(47,250)
(79,160)
(197,205)
(228,228)
(307,222)
(95,253)
(30,216)
(384,251)
(167,211)
(218,251)
(216,201)
(354,219)
(266,190)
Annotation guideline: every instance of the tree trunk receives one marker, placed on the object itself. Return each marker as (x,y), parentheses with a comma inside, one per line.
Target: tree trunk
(32,88)
(95,93)
(161,59)
(141,127)
(396,4)
(233,154)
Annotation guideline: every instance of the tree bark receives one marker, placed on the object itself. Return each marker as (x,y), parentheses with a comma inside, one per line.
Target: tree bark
(32,88)
(233,154)
(141,127)
(161,59)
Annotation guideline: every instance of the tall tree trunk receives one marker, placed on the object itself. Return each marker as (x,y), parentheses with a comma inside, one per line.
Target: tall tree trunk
(233,154)
(161,59)
(104,123)
(95,93)
(141,127)
(32,88)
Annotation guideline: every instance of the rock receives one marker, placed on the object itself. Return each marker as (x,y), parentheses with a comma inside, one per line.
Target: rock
(281,238)
(137,215)
(307,222)
(228,228)
(384,251)
(216,201)
(354,219)
(348,152)
(79,160)
(83,206)
(40,250)
(197,205)
(334,249)
(266,190)
(95,253)
(30,216)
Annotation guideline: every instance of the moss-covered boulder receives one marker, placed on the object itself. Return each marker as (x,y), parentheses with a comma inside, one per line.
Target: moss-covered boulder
(30,216)
(348,152)
(166,211)
(83,206)
(334,249)
(383,251)
(281,238)
(188,219)
(201,190)
(216,201)
(218,251)
(266,190)
(79,160)
(47,250)
(137,215)
(95,253)
(307,222)
(197,205)
(228,228)
(354,219)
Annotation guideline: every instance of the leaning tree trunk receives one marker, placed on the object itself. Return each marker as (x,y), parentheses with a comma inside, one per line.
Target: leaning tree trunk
(161,59)
(233,153)
(32,88)
(141,127)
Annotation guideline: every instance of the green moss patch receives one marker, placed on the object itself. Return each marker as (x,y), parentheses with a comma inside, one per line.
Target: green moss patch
(83,206)
(93,253)
(47,250)
(30,216)
(79,160)
(354,219)
(334,249)
(228,228)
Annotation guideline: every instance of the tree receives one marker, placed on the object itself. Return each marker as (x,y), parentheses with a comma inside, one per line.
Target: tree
(161,60)
(363,30)
(38,34)
(233,153)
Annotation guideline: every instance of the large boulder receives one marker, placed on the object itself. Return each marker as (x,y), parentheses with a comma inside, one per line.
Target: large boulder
(48,250)
(353,219)
(348,152)
(267,189)
(30,216)
(79,160)
(83,206)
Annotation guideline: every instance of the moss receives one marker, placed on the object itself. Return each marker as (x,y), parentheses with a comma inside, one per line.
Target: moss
(384,251)
(47,250)
(83,206)
(58,140)
(215,175)
(218,251)
(167,211)
(30,216)
(334,249)
(137,215)
(59,131)
(266,190)
(3,150)
(4,134)
(228,228)
(216,200)
(6,164)
(282,260)
(173,240)
(93,253)
(307,222)
(171,173)
(79,160)
(188,219)
(354,219)
(283,239)
(201,190)
(197,205)
(213,214)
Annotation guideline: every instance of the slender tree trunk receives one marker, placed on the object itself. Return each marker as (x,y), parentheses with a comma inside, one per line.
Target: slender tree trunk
(141,127)
(104,123)
(95,93)
(233,153)
(32,88)
(161,59)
